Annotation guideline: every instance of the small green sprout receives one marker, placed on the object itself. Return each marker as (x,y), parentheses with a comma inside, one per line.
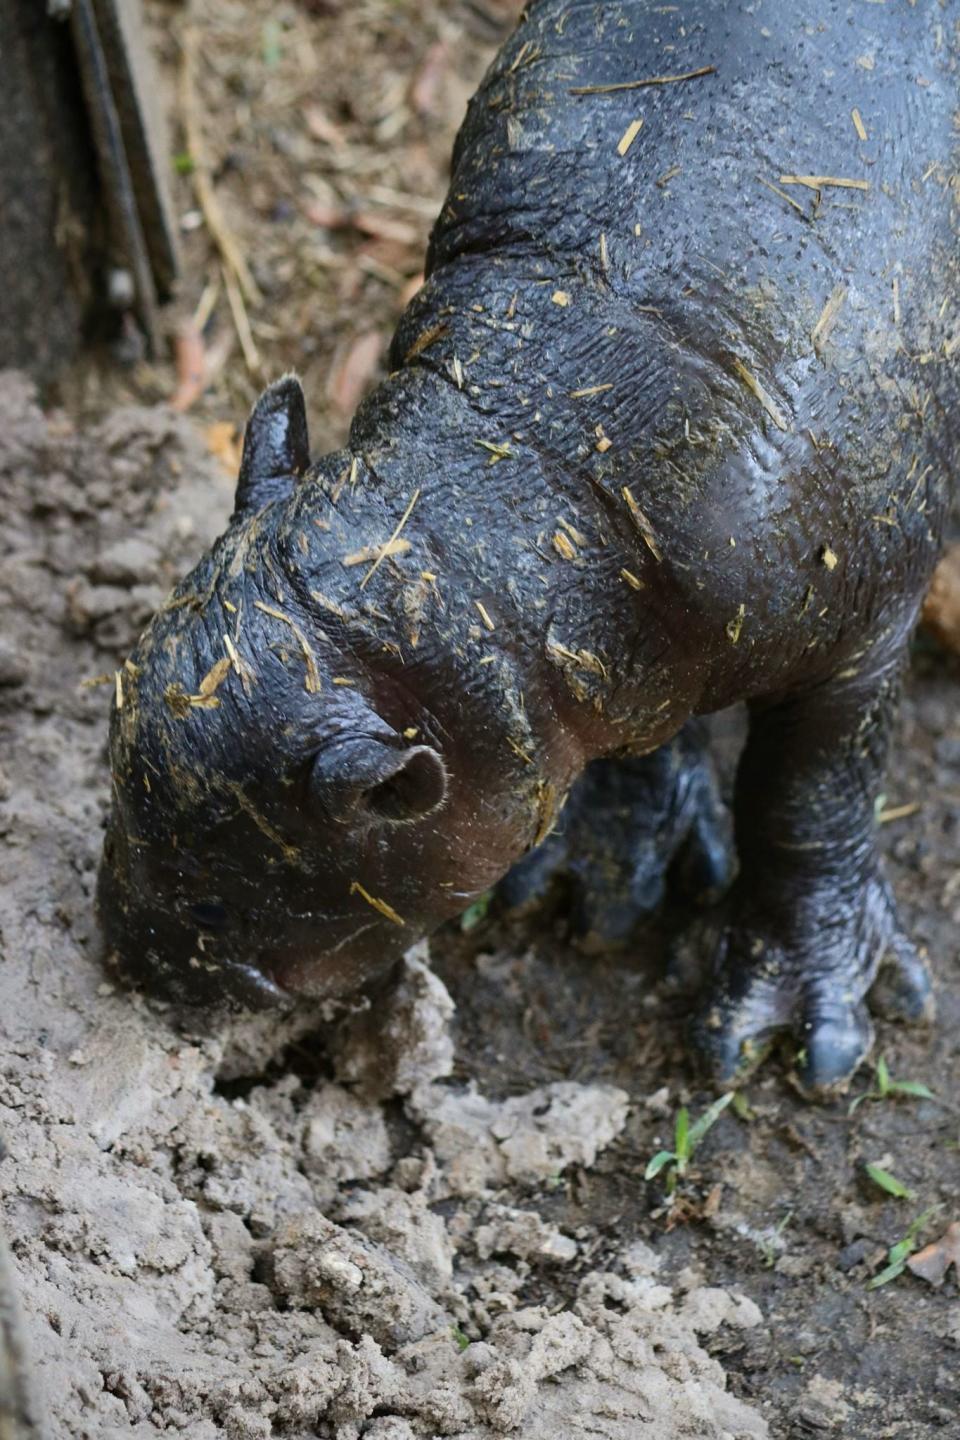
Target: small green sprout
(887,1088)
(460,1338)
(184,163)
(768,1248)
(741,1107)
(899,1254)
(271,37)
(888,1182)
(686,1138)
(476,912)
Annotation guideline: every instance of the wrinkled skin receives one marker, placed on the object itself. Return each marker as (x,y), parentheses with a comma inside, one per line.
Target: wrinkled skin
(658,438)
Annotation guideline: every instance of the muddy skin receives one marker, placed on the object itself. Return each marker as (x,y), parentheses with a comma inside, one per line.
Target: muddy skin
(665,431)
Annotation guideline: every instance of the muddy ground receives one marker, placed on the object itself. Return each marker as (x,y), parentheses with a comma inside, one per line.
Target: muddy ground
(439,1225)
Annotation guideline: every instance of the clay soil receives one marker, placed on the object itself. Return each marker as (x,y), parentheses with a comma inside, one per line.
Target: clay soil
(431,1219)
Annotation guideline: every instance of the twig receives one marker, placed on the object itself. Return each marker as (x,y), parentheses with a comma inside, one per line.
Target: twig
(206,304)
(241,323)
(898,812)
(783,196)
(638,84)
(383,553)
(828,316)
(223,236)
(766,400)
(312,681)
(818,182)
(387,911)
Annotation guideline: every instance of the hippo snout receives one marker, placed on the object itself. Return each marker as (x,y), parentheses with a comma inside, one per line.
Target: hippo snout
(188,953)
(211,952)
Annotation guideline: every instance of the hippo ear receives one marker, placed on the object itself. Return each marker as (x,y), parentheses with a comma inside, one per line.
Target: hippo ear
(276,447)
(363,778)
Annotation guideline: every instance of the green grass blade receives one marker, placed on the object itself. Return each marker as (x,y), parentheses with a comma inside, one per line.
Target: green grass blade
(888,1182)
(476,912)
(708,1119)
(662,1157)
(681,1135)
(911,1087)
(886,1275)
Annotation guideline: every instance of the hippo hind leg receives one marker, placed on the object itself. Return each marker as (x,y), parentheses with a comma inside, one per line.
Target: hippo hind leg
(811,920)
(631,827)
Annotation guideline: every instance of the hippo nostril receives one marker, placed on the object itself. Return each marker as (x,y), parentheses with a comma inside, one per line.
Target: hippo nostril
(209,915)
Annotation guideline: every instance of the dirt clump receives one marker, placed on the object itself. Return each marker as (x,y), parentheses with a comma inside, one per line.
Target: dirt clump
(239,1233)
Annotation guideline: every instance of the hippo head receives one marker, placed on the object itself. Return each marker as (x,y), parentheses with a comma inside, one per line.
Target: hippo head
(291,809)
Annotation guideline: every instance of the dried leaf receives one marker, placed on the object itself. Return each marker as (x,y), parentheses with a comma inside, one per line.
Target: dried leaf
(326,215)
(354,372)
(933,1261)
(427,83)
(384,227)
(223,441)
(321,127)
(190,360)
(941,610)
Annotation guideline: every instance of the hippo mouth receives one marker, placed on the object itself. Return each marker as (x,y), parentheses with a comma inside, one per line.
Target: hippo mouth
(198,953)
(328,968)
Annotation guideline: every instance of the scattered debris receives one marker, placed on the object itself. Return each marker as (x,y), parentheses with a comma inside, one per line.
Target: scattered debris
(639,84)
(381,906)
(385,549)
(819,182)
(828,316)
(629,135)
(764,396)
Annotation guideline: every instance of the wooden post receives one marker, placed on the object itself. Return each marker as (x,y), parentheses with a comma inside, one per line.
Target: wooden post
(83,166)
(50,239)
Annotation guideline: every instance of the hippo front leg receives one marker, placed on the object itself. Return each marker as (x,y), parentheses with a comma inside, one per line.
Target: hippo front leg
(812,917)
(632,826)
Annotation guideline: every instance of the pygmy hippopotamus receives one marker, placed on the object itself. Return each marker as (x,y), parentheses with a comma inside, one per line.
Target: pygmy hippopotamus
(667,428)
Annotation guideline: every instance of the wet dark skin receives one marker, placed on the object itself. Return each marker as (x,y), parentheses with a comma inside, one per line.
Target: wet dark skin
(666,430)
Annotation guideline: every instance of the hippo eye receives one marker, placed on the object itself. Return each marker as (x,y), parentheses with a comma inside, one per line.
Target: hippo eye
(209,915)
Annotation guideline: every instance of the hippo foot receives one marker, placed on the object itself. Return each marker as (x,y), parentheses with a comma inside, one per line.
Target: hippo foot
(630,827)
(816,975)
